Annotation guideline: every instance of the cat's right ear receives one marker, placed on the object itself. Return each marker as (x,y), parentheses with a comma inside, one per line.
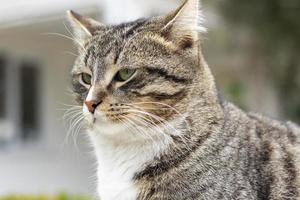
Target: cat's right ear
(83,27)
(184,25)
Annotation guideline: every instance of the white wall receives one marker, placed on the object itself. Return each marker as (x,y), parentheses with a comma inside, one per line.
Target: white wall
(19,12)
(116,11)
(48,165)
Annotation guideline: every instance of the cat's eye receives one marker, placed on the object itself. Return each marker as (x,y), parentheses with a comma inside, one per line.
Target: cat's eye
(124,75)
(86,78)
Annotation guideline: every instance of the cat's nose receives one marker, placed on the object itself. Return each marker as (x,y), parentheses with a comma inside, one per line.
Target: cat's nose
(92,105)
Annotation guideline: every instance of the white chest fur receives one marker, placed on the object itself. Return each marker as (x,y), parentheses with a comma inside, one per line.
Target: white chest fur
(118,162)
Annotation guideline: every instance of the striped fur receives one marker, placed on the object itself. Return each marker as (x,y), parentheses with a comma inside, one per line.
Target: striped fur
(165,133)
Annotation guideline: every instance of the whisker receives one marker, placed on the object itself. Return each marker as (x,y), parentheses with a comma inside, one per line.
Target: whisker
(163,104)
(73,36)
(74,129)
(72,122)
(135,127)
(144,132)
(66,37)
(158,103)
(70,53)
(165,124)
(160,130)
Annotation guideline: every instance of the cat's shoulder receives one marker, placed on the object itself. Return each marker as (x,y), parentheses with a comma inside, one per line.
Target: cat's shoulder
(273,128)
(264,126)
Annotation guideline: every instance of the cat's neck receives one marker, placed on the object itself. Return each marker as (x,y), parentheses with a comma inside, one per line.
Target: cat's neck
(119,162)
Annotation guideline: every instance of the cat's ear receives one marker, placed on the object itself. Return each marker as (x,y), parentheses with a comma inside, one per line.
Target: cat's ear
(185,24)
(83,27)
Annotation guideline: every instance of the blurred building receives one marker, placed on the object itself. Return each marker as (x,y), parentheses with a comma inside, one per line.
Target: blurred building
(36,156)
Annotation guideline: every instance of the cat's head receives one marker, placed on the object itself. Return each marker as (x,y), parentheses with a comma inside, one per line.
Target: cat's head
(140,72)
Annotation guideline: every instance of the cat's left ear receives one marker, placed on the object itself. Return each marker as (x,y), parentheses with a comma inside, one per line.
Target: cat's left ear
(83,27)
(184,25)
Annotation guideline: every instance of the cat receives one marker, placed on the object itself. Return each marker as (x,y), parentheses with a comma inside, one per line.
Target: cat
(156,121)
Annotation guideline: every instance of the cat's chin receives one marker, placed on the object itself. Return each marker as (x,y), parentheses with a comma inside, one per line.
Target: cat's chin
(108,128)
(102,126)
(117,132)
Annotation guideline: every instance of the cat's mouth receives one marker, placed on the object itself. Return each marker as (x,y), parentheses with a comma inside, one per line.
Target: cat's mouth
(132,117)
(93,118)
(131,123)
(102,119)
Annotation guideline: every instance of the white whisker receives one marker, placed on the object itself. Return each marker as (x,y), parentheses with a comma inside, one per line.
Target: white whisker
(67,37)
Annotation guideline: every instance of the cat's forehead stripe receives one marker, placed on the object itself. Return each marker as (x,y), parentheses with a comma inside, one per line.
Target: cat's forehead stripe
(114,38)
(133,28)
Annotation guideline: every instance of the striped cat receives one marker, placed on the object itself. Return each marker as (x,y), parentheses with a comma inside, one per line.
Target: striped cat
(159,129)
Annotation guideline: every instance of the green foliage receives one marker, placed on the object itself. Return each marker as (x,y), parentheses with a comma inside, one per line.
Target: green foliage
(235,92)
(276,26)
(61,196)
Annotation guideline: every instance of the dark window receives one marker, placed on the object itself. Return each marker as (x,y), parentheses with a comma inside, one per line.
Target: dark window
(2,88)
(29,100)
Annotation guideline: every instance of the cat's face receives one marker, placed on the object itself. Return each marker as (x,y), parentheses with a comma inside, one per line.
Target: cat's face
(136,74)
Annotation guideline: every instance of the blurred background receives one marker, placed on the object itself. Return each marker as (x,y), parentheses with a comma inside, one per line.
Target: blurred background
(252,47)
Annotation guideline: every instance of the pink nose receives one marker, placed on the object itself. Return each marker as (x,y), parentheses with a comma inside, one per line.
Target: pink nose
(92,106)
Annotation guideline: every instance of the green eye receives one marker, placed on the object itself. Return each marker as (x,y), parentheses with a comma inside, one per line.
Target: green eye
(124,75)
(86,78)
